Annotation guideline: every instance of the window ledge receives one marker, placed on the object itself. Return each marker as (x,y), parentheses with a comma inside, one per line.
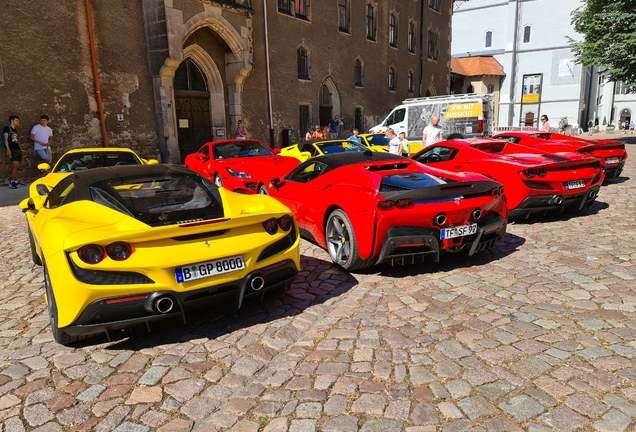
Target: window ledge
(286,12)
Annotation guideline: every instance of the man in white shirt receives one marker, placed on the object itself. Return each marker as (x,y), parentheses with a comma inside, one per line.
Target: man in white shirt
(432,133)
(42,137)
(395,145)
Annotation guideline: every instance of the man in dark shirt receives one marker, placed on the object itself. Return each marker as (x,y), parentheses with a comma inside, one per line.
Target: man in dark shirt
(14,153)
(334,127)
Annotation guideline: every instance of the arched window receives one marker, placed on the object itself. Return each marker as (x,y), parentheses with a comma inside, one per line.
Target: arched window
(392,79)
(189,77)
(370,22)
(393,30)
(357,75)
(433,45)
(410,82)
(411,41)
(526,34)
(488,39)
(303,63)
(470,89)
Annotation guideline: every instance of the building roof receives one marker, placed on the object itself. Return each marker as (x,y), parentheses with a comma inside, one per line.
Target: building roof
(475,66)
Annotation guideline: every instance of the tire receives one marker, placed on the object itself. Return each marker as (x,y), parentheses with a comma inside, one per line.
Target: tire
(262,190)
(455,136)
(217,180)
(341,242)
(34,255)
(59,335)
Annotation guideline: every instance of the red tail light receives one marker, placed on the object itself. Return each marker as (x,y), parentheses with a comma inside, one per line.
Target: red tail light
(285,223)
(119,251)
(271,226)
(385,205)
(91,254)
(404,203)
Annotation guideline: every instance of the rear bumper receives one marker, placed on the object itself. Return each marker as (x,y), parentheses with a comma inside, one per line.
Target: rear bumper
(612,172)
(101,316)
(408,245)
(554,203)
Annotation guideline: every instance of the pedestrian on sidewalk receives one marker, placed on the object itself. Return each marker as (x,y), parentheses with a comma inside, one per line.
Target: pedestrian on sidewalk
(42,137)
(14,152)
(334,127)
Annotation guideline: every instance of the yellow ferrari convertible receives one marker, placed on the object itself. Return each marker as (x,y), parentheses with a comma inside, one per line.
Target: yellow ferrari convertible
(380,143)
(310,149)
(82,159)
(129,245)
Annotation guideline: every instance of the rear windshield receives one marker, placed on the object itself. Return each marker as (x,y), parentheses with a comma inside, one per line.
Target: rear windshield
(340,147)
(168,199)
(408,181)
(74,162)
(380,140)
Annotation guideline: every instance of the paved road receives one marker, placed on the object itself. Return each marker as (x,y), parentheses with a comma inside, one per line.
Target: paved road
(538,334)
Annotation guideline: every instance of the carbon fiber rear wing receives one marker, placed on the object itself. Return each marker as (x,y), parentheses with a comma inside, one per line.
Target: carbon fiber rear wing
(448,190)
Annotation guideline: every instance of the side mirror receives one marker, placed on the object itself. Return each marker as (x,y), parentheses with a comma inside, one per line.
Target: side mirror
(152,162)
(200,157)
(27,205)
(276,150)
(44,167)
(277,183)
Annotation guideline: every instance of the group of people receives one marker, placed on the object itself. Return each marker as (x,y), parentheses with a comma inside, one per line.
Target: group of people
(330,131)
(42,137)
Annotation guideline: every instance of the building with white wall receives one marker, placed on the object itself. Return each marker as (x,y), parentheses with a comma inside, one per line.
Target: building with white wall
(615,103)
(530,40)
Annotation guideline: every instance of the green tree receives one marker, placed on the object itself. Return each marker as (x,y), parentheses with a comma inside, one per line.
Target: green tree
(609,37)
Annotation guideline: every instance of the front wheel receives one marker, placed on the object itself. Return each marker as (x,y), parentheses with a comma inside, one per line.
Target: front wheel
(341,242)
(59,335)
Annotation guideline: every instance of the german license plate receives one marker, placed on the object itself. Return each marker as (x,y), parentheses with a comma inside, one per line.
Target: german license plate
(209,268)
(611,160)
(576,184)
(460,231)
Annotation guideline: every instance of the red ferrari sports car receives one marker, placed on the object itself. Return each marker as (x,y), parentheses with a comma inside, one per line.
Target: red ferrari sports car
(611,153)
(535,181)
(370,207)
(244,166)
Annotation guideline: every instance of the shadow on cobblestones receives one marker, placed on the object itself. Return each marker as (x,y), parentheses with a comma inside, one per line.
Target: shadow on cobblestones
(540,218)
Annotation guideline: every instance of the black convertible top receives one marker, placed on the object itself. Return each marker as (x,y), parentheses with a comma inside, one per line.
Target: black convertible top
(341,159)
(84,178)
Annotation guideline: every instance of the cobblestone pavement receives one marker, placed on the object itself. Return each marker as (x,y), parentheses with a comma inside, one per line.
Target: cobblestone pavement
(538,334)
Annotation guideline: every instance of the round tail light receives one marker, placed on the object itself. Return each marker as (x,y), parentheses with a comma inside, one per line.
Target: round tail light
(118,251)
(541,172)
(271,226)
(529,173)
(404,203)
(385,205)
(91,254)
(284,223)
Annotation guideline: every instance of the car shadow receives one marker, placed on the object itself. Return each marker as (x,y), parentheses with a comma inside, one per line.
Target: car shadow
(615,181)
(450,261)
(595,208)
(313,286)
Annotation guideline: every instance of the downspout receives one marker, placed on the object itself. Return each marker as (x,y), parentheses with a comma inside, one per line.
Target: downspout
(513,68)
(421,46)
(269,80)
(98,92)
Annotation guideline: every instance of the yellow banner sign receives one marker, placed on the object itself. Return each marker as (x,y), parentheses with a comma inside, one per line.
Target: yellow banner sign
(464,110)
(530,98)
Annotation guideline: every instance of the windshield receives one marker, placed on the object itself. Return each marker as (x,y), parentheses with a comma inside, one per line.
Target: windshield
(340,147)
(240,148)
(165,199)
(378,140)
(81,161)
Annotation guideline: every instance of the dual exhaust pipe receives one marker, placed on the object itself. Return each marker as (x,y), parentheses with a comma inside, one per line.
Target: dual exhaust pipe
(440,219)
(556,200)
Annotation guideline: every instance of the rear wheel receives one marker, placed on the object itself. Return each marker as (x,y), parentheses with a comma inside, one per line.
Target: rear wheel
(59,335)
(341,242)
(34,254)
(263,190)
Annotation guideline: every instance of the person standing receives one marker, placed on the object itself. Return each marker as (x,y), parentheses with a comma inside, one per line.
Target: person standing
(432,133)
(355,136)
(241,131)
(14,153)
(406,145)
(42,137)
(545,126)
(395,145)
(334,127)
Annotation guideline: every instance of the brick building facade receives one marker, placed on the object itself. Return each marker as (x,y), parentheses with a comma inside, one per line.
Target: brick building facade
(181,72)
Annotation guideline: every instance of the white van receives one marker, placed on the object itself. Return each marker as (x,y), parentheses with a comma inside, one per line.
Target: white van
(461,116)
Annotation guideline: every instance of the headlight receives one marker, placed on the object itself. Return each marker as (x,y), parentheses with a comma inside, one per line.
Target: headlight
(238,174)
(42,190)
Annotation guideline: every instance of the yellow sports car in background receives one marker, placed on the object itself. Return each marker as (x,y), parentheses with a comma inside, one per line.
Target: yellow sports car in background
(380,142)
(310,149)
(130,245)
(82,159)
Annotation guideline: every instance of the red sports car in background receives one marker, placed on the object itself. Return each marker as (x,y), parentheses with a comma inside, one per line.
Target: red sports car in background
(240,165)
(535,181)
(368,208)
(611,154)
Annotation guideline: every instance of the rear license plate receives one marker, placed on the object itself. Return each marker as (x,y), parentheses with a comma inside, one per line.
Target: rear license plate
(460,231)
(611,160)
(576,184)
(209,268)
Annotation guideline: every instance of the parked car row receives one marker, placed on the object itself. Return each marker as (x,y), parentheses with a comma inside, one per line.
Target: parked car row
(126,241)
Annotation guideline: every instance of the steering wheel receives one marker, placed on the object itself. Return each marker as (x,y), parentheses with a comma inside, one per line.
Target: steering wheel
(433,157)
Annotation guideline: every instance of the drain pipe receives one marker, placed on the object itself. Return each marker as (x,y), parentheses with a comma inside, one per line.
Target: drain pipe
(98,92)
(269,80)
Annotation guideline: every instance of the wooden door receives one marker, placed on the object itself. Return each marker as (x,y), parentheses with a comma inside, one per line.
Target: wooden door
(193,122)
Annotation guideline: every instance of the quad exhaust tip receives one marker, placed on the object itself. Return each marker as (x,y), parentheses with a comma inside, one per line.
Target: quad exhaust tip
(164,304)
(256,282)
(440,219)
(556,200)
(476,214)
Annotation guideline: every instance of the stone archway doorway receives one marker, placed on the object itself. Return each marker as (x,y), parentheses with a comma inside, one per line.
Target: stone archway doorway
(192,108)
(329,101)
